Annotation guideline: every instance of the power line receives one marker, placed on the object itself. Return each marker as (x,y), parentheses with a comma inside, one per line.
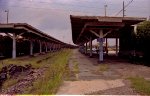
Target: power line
(125,6)
(123,10)
(105,9)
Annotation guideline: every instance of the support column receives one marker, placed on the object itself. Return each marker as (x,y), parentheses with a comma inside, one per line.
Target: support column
(14,46)
(116,46)
(90,46)
(59,47)
(46,47)
(101,46)
(85,48)
(53,47)
(40,43)
(106,46)
(31,47)
(50,47)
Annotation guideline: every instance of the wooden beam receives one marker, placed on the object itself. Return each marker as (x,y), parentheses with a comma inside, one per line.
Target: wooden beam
(9,35)
(104,35)
(19,35)
(110,24)
(95,33)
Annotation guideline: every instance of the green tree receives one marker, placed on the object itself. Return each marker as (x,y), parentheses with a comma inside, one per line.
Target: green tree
(143,38)
(143,30)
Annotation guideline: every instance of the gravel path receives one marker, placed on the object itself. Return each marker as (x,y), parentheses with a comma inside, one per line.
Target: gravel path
(109,82)
(86,87)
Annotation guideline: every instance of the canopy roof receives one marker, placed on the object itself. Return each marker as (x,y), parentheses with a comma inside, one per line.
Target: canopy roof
(27,31)
(82,25)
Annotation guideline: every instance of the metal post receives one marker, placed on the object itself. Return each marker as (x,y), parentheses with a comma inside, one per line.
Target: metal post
(56,47)
(101,46)
(60,46)
(85,48)
(45,47)
(106,46)
(90,46)
(40,43)
(7,11)
(53,47)
(116,46)
(105,10)
(14,46)
(123,10)
(50,45)
(31,47)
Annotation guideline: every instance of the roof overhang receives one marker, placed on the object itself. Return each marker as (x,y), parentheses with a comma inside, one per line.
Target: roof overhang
(28,31)
(81,26)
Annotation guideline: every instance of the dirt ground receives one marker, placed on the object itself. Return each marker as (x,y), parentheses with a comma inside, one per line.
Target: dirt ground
(91,80)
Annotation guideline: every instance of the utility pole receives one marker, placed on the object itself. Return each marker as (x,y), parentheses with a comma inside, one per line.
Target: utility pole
(7,11)
(123,10)
(105,10)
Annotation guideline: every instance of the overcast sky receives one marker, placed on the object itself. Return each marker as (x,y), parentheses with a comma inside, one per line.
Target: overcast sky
(53,16)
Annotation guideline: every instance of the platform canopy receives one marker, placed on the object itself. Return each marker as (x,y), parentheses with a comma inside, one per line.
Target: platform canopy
(83,27)
(27,31)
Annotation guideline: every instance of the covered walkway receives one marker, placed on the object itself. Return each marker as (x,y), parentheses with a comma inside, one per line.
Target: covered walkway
(38,41)
(87,28)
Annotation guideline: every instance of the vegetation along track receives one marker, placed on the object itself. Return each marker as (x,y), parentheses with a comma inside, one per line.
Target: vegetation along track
(44,77)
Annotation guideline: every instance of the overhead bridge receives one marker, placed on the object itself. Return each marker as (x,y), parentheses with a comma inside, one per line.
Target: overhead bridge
(87,28)
(25,32)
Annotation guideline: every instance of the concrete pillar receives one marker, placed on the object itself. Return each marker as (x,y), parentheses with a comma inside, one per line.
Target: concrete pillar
(31,47)
(14,46)
(116,46)
(40,43)
(90,43)
(101,46)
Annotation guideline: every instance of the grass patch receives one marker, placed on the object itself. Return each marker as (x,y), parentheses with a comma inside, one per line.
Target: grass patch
(55,64)
(22,61)
(53,77)
(26,60)
(140,85)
